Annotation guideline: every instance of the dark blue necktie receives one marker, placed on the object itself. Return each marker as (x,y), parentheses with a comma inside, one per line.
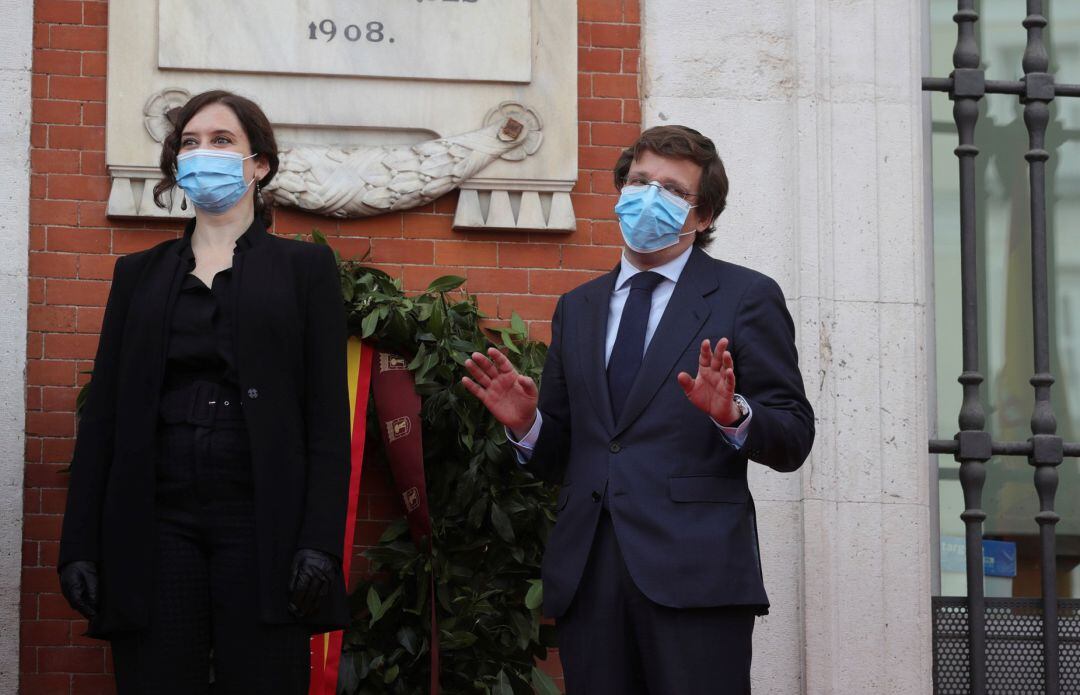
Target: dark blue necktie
(629,346)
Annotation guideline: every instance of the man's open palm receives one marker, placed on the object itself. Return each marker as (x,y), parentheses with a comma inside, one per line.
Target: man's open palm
(510,397)
(713,389)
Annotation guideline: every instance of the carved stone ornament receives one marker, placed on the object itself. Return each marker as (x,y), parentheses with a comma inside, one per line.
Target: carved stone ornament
(157,109)
(362,181)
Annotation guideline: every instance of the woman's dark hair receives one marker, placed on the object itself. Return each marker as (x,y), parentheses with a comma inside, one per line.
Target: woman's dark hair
(680,142)
(252,119)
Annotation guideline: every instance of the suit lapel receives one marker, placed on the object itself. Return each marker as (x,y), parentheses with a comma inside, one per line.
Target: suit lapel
(146,335)
(251,270)
(683,318)
(152,306)
(592,332)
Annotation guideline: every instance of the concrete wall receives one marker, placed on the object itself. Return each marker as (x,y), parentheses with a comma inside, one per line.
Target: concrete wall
(816,108)
(16,47)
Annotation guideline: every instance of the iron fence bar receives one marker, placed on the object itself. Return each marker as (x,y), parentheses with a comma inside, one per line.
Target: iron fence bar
(973,442)
(945,84)
(1046,450)
(1014,87)
(950,446)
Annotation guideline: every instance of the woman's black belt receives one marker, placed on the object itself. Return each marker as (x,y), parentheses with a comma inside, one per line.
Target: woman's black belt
(201,403)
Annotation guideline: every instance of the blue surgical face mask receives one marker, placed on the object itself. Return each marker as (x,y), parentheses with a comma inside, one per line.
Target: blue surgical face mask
(651,218)
(213,181)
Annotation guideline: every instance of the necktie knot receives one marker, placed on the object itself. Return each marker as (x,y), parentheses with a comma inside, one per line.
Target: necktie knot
(647,281)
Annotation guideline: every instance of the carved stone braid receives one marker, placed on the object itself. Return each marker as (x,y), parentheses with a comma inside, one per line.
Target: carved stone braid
(362,181)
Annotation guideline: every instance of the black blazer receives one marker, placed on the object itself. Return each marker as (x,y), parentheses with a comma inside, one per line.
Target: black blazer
(290,352)
(680,505)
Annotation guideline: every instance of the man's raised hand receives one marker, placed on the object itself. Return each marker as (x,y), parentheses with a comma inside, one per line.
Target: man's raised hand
(510,397)
(713,389)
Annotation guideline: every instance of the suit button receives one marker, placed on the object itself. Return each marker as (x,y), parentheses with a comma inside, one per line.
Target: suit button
(596,496)
(615,447)
(253,393)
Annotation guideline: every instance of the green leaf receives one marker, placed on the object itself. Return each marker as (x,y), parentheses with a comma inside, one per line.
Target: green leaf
(384,606)
(542,683)
(502,524)
(409,639)
(446,283)
(394,531)
(318,237)
(534,597)
(348,678)
(418,359)
(391,674)
(502,685)
(523,626)
(457,640)
(517,324)
(476,512)
(508,341)
(437,320)
(374,604)
(368,326)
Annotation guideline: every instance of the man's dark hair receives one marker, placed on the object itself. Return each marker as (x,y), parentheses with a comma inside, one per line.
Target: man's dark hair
(680,142)
(256,126)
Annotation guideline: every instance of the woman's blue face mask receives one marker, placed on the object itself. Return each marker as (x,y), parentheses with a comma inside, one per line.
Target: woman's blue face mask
(651,218)
(213,181)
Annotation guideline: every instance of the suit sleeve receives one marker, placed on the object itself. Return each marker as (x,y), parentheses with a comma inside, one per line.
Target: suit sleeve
(94,443)
(549,455)
(767,374)
(326,410)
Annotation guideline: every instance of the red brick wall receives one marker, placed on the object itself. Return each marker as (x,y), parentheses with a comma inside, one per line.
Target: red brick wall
(73,246)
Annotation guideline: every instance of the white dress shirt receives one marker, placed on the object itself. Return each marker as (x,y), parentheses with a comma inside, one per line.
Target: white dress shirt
(736,436)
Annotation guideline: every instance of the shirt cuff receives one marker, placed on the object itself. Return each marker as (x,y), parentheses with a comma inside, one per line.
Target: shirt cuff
(524,447)
(736,436)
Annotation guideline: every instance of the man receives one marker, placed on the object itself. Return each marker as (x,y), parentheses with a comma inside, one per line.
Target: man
(663,379)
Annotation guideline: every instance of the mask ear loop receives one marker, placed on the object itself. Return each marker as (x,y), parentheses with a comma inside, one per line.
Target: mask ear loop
(253,178)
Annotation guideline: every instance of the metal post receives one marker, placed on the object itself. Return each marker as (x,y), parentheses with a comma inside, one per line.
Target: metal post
(1046,447)
(974,447)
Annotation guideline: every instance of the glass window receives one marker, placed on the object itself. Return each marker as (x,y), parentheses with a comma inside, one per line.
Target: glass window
(1011,556)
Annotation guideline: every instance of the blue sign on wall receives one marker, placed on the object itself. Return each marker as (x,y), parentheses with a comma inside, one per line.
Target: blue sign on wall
(999,557)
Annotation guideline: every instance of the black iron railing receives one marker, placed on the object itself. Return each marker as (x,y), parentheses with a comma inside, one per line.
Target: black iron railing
(973,445)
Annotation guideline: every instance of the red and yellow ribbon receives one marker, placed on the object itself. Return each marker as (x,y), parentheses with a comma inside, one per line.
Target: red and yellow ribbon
(387,379)
(326,648)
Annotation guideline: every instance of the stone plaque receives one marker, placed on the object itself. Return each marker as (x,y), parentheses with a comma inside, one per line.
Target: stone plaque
(460,40)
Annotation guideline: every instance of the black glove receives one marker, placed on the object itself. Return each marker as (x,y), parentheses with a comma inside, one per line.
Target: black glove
(79,583)
(312,573)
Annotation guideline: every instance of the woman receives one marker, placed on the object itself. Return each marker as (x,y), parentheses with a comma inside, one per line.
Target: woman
(206,510)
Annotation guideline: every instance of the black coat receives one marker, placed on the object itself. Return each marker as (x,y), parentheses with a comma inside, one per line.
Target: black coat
(290,354)
(680,504)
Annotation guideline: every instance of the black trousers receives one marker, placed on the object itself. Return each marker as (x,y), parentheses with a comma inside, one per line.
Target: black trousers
(614,641)
(205,635)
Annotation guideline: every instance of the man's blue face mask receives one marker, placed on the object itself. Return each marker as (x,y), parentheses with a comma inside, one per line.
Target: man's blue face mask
(651,218)
(213,181)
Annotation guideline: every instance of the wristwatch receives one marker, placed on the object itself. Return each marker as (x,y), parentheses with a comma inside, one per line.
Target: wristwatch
(744,409)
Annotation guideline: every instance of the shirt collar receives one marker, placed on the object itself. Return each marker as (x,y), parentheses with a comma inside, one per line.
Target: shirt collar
(670,270)
(248,239)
